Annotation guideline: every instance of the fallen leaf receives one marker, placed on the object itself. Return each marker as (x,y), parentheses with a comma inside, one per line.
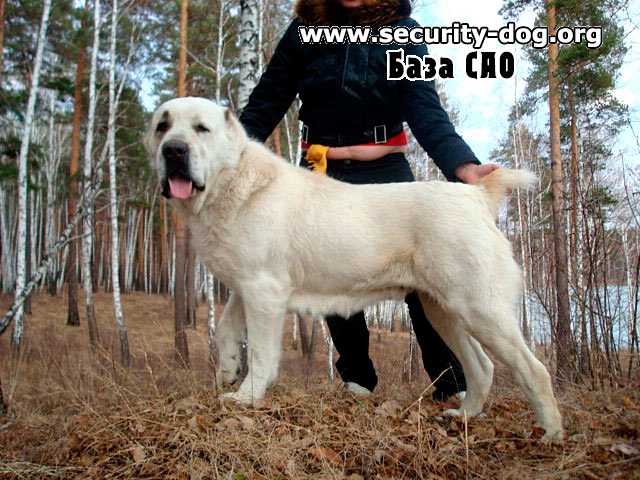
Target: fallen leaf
(197,422)
(324,453)
(138,454)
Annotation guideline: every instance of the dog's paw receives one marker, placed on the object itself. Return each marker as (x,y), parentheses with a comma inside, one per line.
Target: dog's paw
(462,411)
(553,436)
(454,412)
(227,377)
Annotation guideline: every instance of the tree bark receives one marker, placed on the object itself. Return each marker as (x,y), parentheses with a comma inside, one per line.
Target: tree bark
(88,224)
(125,358)
(564,344)
(211,316)
(180,301)
(249,47)
(164,278)
(73,317)
(191,283)
(574,244)
(3,406)
(2,9)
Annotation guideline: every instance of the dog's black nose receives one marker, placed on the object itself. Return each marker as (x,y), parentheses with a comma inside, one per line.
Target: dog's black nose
(175,150)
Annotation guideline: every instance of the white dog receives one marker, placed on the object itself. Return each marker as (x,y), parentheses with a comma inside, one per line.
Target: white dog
(284,238)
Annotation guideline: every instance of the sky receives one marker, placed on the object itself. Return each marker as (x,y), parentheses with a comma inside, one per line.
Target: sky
(484,104)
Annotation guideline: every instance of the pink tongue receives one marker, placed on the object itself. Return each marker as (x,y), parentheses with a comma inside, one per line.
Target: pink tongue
(180,188)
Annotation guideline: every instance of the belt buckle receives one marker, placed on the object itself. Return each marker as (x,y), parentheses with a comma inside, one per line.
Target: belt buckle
(305,133)
(376,137)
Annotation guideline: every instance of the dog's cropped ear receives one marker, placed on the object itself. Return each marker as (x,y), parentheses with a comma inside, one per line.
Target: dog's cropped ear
(235,130)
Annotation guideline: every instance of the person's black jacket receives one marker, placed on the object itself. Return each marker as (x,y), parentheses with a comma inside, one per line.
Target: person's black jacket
(344,89)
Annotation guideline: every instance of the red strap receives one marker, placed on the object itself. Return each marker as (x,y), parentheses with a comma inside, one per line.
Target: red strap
(395,141)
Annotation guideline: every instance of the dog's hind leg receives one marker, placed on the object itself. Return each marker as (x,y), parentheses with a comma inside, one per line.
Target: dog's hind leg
(497,330)
(230,335)
(264,301)
(477,367)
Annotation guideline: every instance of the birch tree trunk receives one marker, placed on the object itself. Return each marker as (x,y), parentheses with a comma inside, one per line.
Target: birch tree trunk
(113,196)
(190,280)
(564,346)
(249,34)
(23,168)
(87,226)
(51,175)
(211,316)
(220,48)
(518,151)
(2,9)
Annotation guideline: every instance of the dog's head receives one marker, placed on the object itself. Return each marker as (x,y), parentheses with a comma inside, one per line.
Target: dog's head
(190,140)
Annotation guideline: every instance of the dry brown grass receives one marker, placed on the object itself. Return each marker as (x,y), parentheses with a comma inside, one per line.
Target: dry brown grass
(75,414)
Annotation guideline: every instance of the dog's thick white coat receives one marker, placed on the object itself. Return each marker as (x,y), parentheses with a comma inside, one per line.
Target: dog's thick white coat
(284,238)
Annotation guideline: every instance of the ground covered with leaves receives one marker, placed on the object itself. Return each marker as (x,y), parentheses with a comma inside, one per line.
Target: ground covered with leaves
(78,415)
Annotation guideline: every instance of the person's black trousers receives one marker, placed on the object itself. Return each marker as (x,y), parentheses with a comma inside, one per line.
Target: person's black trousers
(351,336)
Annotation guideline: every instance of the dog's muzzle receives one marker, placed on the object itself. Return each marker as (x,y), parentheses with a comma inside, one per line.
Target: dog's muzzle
(178,182)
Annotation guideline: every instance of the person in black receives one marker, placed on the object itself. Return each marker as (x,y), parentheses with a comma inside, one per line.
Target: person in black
(349,105)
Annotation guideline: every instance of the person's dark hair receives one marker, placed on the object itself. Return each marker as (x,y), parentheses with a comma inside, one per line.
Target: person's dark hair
(372,12)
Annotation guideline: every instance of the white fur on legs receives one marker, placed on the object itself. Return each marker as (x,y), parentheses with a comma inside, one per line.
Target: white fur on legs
(499,333)
(230,335)
(264,302)
(477,367)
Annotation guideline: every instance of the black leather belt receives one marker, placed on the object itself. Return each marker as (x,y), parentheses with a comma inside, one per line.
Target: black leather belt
(378,134)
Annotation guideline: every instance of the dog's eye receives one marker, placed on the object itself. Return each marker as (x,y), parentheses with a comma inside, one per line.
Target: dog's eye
(200,128)
(162,127)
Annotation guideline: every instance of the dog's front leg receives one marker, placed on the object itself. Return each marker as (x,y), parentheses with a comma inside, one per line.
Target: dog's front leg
(265,302)
(230,335)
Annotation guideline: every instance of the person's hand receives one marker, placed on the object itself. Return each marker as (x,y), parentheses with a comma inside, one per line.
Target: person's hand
(471,173)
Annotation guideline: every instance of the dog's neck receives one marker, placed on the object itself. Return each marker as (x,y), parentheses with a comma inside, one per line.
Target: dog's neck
(233,187)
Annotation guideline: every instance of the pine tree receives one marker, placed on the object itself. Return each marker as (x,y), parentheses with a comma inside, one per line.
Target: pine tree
(181,345)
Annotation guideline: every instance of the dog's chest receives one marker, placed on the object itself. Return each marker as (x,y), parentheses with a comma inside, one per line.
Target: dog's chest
(217,253)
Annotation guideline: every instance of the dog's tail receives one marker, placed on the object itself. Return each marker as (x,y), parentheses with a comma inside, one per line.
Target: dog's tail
(501,182)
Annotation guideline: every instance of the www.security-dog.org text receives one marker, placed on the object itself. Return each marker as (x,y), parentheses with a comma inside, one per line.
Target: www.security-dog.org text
(402,65)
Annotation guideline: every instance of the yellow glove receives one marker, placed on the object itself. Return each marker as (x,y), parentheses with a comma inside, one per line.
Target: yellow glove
(317,158)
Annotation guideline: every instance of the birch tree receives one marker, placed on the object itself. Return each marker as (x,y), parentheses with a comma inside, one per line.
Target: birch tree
(220,44)
(23,175)
(249,35)
(87,240)
(51,167)
(2,10)
(113,194)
